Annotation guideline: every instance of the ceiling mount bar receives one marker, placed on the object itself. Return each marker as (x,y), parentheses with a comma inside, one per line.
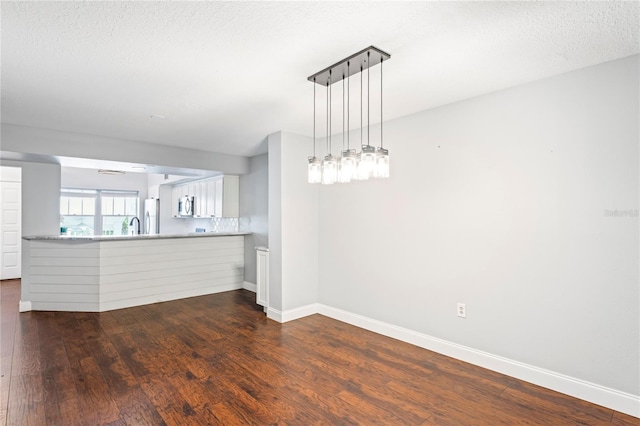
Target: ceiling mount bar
(365,58)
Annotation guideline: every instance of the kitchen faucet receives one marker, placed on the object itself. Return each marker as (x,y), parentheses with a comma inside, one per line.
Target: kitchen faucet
(131,223)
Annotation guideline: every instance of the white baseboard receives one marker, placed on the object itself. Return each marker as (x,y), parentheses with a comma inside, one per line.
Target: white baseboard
(274,314)
(292,314)
(24,306)
(249,286)
(303,311)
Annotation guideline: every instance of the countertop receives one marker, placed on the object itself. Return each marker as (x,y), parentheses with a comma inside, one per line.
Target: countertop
(130,237)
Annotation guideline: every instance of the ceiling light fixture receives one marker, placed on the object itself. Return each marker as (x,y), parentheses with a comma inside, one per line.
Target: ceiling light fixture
(370,161)
(111,172)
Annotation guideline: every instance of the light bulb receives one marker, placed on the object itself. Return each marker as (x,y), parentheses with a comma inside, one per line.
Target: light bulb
(381,170)
(329,170)
(347,165)
(367,162)
(314,170)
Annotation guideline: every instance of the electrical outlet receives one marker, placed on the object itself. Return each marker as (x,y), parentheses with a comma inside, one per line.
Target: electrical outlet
(462,310)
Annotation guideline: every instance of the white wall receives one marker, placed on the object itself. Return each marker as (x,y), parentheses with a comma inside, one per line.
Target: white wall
(274,142)
(40,197)
(293,224)
(74,177)
(154,180)
(500,202)
(299,209)
(254,205)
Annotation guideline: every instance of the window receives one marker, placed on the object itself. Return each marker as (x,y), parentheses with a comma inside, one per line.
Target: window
(77,211)
(117,210)
(97,212)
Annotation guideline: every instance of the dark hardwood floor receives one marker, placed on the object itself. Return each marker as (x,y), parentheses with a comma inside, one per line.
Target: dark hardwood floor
(218,360)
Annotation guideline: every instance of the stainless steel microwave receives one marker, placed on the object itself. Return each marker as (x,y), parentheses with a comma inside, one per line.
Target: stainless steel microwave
(186,205)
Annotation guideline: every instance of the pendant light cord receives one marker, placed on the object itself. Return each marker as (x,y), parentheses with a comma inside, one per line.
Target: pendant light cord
(361,126)
(343,110)
(368,95)
(381,145)
(329,114)
(348,106)
(314,117)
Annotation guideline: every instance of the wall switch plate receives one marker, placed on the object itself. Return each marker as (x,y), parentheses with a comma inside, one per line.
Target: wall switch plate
(462,310)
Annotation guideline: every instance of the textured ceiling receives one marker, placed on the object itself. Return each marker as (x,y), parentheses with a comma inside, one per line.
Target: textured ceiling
(226,74)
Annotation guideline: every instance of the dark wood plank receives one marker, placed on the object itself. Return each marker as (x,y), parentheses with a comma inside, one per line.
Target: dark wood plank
(545,403)
(620,419)
(9,299)
(218,360)
(28,409)
(96,402)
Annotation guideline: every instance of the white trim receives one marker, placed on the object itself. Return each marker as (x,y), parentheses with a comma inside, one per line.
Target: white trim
(292,314)
(302,311)
(274,314)
(607,397)
(24,306)
(249,286)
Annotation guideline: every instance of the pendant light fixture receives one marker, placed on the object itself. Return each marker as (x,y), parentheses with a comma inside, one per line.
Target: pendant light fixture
(369,162)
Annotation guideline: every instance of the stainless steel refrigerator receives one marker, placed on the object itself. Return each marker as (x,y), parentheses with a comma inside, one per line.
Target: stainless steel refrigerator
(151,216)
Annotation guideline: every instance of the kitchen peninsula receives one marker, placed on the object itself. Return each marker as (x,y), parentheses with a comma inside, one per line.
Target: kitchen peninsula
(102,273)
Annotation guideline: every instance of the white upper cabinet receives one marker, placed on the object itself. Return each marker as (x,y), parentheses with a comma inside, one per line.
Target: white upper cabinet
(227,196)
(214,197)
(210,208)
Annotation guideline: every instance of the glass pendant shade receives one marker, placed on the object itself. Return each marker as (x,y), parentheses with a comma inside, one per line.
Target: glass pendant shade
(314,170)
(367,162)
(381,170)
(347,166)
(329,170)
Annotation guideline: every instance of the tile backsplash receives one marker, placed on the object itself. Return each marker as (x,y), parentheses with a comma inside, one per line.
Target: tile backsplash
(225,224)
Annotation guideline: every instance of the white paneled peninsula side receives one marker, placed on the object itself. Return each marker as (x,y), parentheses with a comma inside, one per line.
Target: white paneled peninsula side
(96,274)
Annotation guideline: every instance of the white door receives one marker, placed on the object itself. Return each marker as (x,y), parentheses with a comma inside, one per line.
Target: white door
(10,222)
